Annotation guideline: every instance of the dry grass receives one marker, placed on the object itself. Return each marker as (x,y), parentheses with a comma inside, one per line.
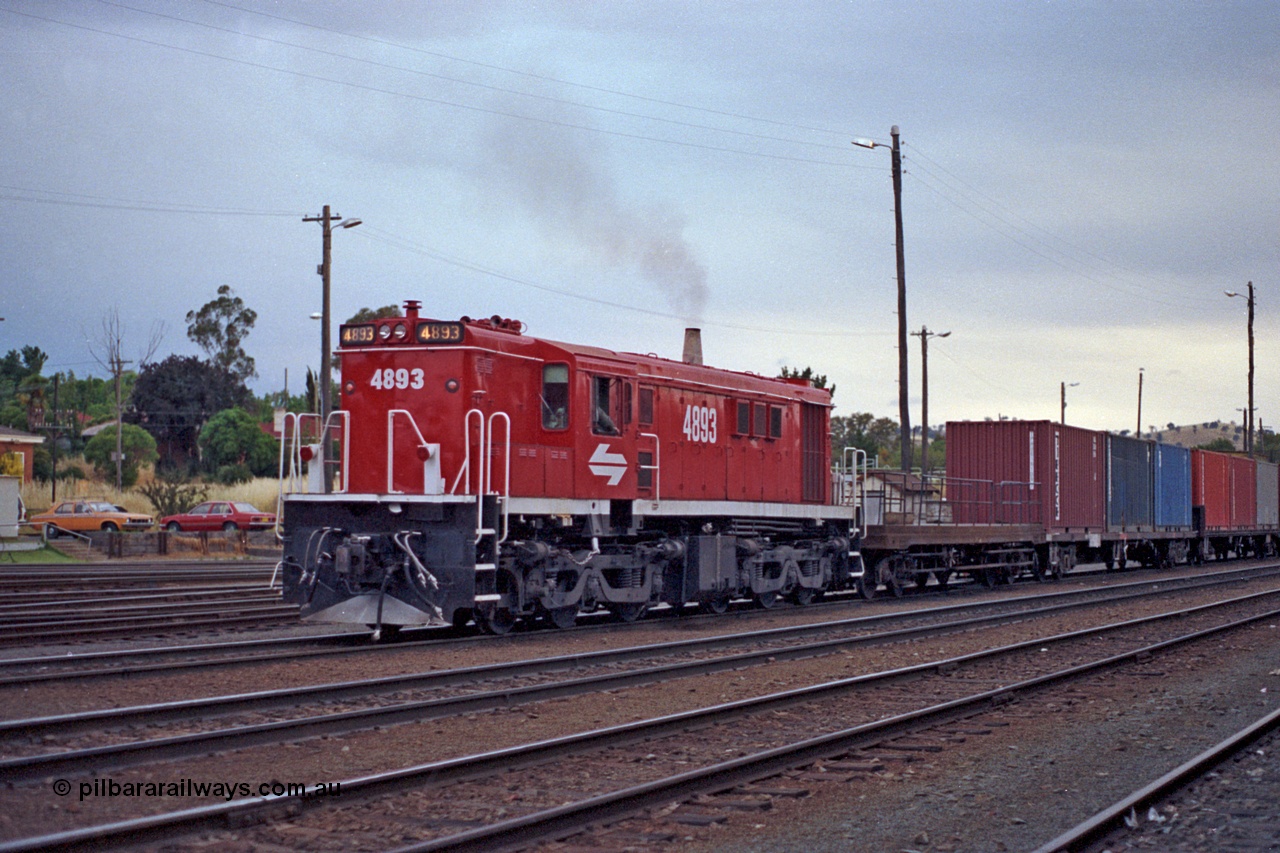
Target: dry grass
(38,497)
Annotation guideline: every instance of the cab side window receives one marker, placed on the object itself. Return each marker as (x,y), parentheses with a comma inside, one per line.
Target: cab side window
(604,420)
(555,396)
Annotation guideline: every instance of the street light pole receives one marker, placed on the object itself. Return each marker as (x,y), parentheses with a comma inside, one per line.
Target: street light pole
(904,412)
(1063,419)
(326,220)
(1248,416)
(1138,434)
(924,334)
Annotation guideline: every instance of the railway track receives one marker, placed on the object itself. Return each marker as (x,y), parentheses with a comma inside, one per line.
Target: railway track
(178,658)
(78,576)
(795,727)
(73,603)
(1195,806)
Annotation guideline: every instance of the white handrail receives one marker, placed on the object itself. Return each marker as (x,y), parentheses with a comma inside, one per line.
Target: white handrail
(422,443)
(506,458)
(464,472)
(345,418)
(656,467)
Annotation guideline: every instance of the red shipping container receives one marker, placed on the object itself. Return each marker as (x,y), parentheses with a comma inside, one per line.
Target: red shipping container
(1244,493)
(1211,487)
(1064,467)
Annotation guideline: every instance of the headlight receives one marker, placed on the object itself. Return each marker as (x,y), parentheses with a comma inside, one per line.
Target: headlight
(384,332)
(399,332)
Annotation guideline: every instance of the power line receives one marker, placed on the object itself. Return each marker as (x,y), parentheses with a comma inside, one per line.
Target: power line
(443,102)
(81,200)
(465,82)
(404,244)
(540,77)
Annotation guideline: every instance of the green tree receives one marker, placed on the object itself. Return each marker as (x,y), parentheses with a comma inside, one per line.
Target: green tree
(233,437)
(819,380)
(174,398)
(364,315)
(220,327)
(139,449)
(1222,445)
(877,437)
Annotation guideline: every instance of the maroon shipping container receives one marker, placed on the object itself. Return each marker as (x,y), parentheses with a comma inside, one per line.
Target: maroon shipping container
(1065,468)
(1227,487)
(1244,493)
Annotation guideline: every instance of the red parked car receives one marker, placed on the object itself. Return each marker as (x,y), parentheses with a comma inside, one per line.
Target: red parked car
(220,515)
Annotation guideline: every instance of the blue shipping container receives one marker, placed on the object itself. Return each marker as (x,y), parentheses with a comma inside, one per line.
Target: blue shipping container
(1130,479)
(1173,486)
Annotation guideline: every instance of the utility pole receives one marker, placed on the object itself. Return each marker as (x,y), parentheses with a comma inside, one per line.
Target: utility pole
(1138,434)
(326,220)
(1063,418)
(55,429)
(117,367)
(924,334)
(904,411)
(1248,433)
(1248,415)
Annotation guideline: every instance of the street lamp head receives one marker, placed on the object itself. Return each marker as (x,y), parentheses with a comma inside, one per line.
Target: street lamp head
(944,334)
(316,315)
(349,223)
(867,143)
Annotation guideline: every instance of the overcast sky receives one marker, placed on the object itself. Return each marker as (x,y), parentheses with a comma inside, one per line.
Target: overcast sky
(1082,182)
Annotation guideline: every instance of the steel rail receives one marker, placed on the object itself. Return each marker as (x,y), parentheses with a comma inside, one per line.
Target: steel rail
(206,707)
(128,626)
(572,817)
(18,600)
(132,753)
(185,652)
(1112,816)
(125,609)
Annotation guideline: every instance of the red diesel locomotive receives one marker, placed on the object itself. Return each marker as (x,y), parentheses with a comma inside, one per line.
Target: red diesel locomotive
(484,474)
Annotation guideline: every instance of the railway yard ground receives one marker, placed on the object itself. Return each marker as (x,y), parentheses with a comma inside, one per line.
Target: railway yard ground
(965,720)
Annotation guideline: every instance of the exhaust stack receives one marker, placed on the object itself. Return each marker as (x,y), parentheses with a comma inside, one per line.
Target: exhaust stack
(692,346)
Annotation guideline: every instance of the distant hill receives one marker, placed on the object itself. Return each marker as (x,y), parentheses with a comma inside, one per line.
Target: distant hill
(1197,434)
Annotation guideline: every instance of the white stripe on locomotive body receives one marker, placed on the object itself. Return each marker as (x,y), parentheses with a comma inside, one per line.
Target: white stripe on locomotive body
(640,508)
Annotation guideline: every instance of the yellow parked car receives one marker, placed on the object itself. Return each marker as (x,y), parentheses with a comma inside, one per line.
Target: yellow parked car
(82,515)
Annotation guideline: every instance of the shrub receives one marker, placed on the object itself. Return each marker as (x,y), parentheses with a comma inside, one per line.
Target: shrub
(231,475)
(170,495)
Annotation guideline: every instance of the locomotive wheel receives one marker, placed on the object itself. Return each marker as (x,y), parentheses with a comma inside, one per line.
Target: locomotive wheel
(895,586)
(988,578)
(563,617)
(803,595)
(1037,568)
(943,578)
(866,586)
(922,580)
(628,612)
(766,600)
(717,605)
(494,620)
